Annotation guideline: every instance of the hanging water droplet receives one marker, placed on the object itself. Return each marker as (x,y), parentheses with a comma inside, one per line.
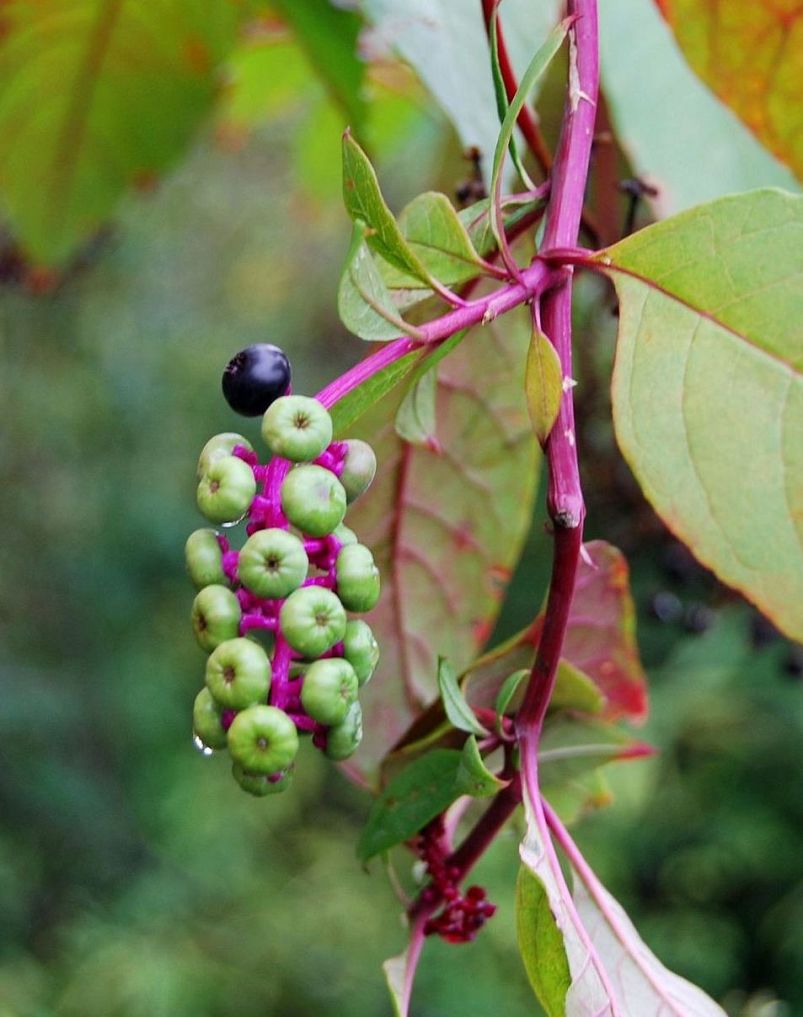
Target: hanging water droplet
(234,522)
(201,746)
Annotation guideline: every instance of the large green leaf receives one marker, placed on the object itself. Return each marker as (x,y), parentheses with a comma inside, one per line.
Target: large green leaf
(446,523)
(97,96)
(708,387)
(749,54)
(541,944)
(676,134)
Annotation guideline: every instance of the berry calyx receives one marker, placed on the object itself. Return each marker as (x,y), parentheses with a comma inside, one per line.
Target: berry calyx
(313,499)
(238,674)
(272,563)
(226,490)
(297,428)
(312,620)
(256,377)
(263,739)
(330,687)
(215,616)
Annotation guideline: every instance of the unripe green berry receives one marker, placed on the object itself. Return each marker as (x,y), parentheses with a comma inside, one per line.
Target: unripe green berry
(263,739)
(238,674)
(312,620)
(329,688)
(296,427)
(218,447)
(313,499)
(342,739)
(345,535)
(226,490)
(215,616)
(360,649)
(206,723)
(272,563)
(260,784)
(357,578)
(204,559)
(359,468)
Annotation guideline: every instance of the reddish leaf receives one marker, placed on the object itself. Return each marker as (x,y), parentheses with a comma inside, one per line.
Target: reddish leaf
(749,55)
(446,524)
(600,640)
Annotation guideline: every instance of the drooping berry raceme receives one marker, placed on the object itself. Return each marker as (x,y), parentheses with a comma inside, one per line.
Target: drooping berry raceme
(284,658)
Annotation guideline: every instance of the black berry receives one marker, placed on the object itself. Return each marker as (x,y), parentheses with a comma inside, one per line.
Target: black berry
(255,377)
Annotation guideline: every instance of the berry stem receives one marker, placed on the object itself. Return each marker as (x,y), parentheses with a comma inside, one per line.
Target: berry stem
(565,496)
(280,691)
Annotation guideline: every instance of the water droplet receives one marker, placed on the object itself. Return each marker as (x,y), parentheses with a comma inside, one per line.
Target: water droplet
(201,747)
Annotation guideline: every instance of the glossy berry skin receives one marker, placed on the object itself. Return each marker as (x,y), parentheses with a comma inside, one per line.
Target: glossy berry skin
(359,468)
(357,578)
(238,674)
(256,377)
(226,490)
(272,563)
(204,559)
(218,447)
(330,687)
(206,723)
(297,428)
(312,620)
(343,739)
(313,499)
(360,649)
(215,616)
(263,739)
(261,784)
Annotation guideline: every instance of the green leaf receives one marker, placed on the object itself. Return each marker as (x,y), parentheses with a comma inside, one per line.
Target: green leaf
(570,748)
(750,58)
(541,944)
(415,420)
(329,35)
(361,399)
(510,686)
(701,155)
(411,800)
(457,709)
(364,302)
(473,776)
(120,90)
(446,526)
(543,383)
(708,387)
(534,72)
(365,204)
(574,690)
(500,94)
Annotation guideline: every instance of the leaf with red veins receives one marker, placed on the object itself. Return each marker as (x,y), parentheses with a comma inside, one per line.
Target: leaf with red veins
(600,640)
(446,524)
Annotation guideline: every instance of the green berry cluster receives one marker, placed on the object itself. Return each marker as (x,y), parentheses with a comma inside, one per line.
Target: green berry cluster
(285,660)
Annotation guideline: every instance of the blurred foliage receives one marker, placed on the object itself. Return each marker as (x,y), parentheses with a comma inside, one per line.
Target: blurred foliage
(134,877)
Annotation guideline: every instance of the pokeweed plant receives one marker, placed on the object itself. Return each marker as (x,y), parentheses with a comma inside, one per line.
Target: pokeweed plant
(474,375)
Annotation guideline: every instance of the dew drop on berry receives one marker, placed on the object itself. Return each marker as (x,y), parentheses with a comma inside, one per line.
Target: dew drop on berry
(201,747)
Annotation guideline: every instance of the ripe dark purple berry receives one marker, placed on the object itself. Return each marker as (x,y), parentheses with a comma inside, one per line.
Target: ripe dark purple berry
(255,377)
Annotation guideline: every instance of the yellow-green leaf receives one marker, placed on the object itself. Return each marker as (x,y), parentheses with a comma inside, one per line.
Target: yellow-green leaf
(543,383)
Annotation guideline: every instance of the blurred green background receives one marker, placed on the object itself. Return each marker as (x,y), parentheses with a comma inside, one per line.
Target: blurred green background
(135,878)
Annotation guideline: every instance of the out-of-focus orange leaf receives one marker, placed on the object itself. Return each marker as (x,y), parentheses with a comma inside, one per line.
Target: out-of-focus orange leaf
(751,56)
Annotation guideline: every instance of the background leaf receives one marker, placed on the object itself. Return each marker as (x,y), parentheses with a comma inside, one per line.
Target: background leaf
(447,526)
(96,98)
(708,387)
(677,135)
(415,420)
(749,55)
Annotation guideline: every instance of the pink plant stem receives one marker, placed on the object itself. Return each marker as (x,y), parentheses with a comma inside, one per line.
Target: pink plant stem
(564,496)
(532,281)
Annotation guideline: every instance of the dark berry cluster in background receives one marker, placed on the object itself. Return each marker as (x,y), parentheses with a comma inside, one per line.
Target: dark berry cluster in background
(284,659)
